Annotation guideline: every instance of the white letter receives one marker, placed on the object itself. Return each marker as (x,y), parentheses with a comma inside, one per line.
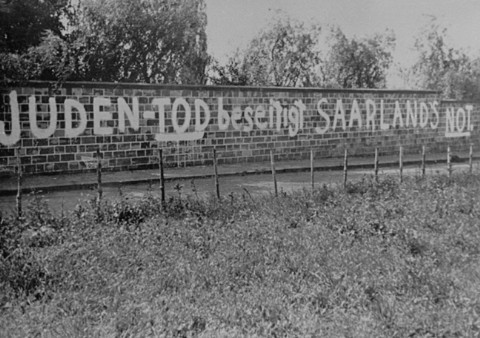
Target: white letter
(32,114)
(323,130)
(301,108)
(339,114)
(460,111)
(236,116)
(260,114)
(99,116)
(248,116)
(469,108)
(412,115)
(69,130)
(450,122)
(294,117)
(223,118)
(397,115)
(14,136)
(383,125)
(423,114)
(435,111)
(275,105)
(188,115)
(355,115)
(160,103)
(199,104)
(371,112)
(133,117)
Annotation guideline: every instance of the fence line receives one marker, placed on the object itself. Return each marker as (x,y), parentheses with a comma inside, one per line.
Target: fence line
(423,162)
(215,167)
(274,175)
(162,176)
(400,163)
(470,159)
(312,169)
(99,177)
(99,169)
(19,184)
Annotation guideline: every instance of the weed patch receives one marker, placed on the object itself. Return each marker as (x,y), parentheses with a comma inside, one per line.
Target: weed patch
(377,259)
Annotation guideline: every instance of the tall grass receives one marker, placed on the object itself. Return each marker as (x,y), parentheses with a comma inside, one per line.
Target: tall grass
(373,260)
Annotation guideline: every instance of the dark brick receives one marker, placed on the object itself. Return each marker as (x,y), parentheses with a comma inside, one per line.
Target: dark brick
(39,159)
(7,152)
(88,140)
(30,169)
(67,157)
(61,167)
(53,158)
(47,150)
(26,160)
(140,160)
(71,149)
(123,161)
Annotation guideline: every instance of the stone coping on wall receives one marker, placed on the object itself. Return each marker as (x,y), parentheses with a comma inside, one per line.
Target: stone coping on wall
(123,85)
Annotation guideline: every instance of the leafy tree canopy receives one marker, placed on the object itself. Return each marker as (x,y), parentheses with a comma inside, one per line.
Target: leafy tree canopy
(360,63)
(154,41)
(144,40)
(442,67)
(291,54)
(23,22)
(285,54)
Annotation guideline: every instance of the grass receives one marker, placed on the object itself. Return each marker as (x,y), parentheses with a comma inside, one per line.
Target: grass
(374,260)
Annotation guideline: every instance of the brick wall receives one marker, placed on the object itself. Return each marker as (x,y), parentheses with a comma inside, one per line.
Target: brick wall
(128,122)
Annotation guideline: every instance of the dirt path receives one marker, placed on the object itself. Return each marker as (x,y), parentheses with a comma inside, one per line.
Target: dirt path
(254,184)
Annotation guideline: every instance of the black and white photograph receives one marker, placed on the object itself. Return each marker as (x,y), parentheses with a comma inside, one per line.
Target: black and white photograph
(240,168)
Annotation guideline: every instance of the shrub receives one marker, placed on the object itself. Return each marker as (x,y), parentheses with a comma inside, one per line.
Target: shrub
(375,259)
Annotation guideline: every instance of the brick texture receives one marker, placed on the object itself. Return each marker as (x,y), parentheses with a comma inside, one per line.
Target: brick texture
(245,124)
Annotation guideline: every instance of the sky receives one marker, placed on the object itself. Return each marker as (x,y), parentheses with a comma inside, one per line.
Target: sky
(233,23)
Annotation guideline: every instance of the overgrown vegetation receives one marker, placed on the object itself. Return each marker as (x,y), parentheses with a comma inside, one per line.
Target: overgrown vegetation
(288,53)
(374,260)
(152,41)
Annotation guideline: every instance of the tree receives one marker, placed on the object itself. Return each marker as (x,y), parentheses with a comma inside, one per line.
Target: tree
(359,63)
(23,22)
(441,67)
(154,41)
(144,40)
(285,55)
(290,54)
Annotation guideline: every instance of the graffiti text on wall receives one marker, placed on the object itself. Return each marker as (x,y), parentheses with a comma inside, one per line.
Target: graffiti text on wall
(331,115)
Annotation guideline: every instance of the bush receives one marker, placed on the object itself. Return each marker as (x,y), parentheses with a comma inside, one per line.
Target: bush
(377,259)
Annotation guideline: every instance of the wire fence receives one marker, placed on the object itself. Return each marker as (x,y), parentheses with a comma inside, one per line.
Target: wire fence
(448,159)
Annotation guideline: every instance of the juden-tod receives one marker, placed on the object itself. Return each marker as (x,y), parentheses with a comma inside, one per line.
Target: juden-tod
(188,121)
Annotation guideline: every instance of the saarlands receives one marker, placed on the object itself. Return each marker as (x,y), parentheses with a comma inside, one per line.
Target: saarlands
(275,116)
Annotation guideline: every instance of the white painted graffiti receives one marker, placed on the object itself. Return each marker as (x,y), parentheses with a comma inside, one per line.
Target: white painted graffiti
(189,122)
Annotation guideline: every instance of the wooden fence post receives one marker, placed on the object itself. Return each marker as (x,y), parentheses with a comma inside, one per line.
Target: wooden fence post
(215,168)
(162,176)
(470,159)
(449,163)
(312,170)
(400,163)
(19,184)
(272,162)
(345,168)
(376,165)
(99,177)
(423,161)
